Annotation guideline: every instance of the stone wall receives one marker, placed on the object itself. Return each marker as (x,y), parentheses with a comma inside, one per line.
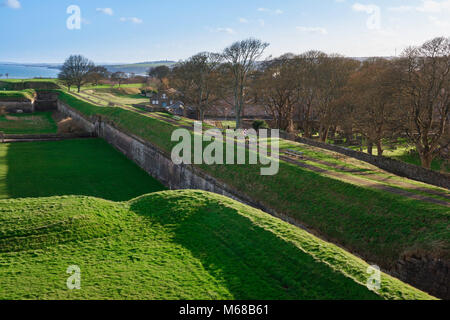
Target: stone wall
(391,165)
(46,101)
(14,106)
(154,160)
(429,273)
(48,136)
(88,125)
(424,274)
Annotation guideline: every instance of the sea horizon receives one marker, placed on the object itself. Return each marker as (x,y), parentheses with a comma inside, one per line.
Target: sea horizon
(16,71)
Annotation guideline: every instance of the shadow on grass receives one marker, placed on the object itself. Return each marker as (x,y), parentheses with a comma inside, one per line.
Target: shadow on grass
(88,167)
(252,262)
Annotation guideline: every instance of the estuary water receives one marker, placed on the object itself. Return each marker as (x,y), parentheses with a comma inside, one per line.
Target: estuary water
(26,72)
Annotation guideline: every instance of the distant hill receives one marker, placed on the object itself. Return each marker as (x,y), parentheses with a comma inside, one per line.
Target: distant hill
(138,68)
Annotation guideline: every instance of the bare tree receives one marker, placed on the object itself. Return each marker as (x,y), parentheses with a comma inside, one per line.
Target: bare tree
(119,77)
(308,74)
(277,87)
(197,81)
(159,72)
(240,60)
(77,69)
(66,79)
(370,91)
(425,96)
(333,74)
(98,73)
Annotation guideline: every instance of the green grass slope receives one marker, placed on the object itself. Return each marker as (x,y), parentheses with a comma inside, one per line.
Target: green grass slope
(22,84)
(172,245)
(19,95)
(36,123)
(379,226)
(88,167)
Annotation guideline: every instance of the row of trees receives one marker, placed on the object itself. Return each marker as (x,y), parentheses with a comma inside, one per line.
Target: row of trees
(78,71)
(206,78)
(314,92)
(319,93)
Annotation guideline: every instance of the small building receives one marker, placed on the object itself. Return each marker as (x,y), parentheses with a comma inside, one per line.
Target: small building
(163,98)
(179,109)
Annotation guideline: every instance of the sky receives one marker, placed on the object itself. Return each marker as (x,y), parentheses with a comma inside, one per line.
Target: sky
(46,31)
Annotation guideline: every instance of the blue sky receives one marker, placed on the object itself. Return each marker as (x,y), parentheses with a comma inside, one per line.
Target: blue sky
(144,30)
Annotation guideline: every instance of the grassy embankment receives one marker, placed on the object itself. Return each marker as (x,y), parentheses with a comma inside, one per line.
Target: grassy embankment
(74,167)
(36,123)
(23,84)
(125,95)
(379,226)
(404,151)
(179,245)
(27,94)
(172,245)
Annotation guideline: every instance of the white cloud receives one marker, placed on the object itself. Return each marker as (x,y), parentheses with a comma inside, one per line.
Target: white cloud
(13,4)
(132,19)
(107,11)
(369,8)
(401,9)
(439,23)
(313,30)
(243,20)
(428,6)
(276,11)
(434,6)
(221,30)
(226,30)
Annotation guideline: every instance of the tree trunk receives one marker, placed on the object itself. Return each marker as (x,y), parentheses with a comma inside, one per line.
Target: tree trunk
(79,89)
(370,148)
(426,160)
(291,127)
(238,111)
(379,148)
(324,133)
(307,129)
(238,120)
(332,132)
(201,115)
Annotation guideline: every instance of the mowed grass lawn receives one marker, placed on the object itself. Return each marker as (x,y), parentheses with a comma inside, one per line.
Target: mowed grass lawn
(172,245)
(35,123)
(88,167)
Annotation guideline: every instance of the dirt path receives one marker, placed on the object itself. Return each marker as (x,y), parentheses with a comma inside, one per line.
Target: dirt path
(364,182)
(374,177)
